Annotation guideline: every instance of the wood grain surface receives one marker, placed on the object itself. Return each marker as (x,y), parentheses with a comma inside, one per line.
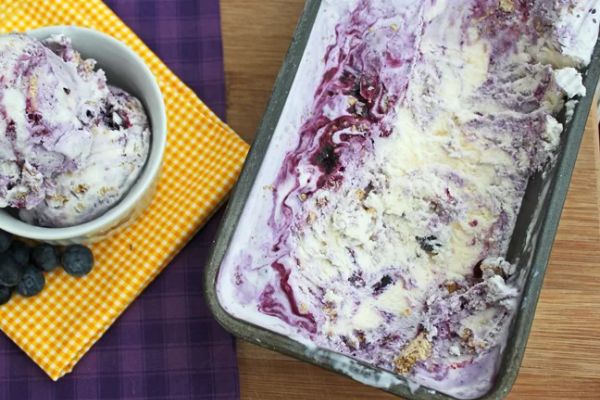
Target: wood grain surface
(563,355)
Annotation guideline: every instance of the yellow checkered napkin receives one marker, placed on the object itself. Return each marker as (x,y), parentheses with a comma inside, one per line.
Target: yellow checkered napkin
(202,161)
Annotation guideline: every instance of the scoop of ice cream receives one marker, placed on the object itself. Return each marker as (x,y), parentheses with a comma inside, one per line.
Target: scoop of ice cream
(119,150)
(70,145)
(46,111)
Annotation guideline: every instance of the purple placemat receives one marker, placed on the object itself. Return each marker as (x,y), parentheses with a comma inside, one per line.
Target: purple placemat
(166,345)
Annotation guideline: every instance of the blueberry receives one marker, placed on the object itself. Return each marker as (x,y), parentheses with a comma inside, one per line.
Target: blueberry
(429,244)
(32,283)
(20,252)
(5,294)
(5,241)
(379,286)
(10,270)
(45,257)
(477,271)
(326,158)
(77,260)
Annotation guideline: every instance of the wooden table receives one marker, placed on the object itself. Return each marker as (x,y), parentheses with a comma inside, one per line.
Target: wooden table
(563,356)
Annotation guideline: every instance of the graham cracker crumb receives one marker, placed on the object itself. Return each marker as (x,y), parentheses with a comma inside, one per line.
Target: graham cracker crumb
(81,188)
(322,201)
(59,198)
(419,349)
(104,190)
(452,287)
(330,311)
(507,6)
(33,89)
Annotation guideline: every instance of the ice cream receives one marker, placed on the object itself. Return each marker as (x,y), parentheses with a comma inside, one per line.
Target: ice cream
(379,222)
(70,144)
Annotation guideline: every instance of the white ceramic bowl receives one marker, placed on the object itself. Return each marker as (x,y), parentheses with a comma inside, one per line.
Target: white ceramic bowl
(126,70)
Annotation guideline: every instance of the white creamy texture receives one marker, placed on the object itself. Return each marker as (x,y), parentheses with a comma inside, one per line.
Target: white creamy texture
(570,80)
(441,127)
(570,109)
(113,164)
(50,76)
(408,170)
(407,149)
(70,145)
(284,138)
(574,36)
(580,21)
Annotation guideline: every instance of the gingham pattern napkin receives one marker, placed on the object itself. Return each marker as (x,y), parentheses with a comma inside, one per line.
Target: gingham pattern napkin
(202,161)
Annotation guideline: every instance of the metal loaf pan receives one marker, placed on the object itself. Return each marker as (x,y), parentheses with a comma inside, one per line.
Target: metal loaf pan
(530,245)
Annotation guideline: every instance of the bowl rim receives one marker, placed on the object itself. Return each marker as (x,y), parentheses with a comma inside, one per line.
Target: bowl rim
(148,174)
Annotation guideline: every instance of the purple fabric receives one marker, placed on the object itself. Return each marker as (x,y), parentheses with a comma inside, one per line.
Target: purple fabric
(166,345)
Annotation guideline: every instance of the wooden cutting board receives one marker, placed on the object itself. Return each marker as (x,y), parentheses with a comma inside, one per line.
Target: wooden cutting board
(563,355)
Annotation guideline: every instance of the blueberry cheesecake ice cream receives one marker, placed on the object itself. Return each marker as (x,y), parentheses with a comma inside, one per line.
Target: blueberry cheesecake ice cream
(71,145)
(379,223)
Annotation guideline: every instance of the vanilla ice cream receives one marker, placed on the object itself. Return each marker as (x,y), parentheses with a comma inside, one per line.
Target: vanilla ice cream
(70,144)
(379,223)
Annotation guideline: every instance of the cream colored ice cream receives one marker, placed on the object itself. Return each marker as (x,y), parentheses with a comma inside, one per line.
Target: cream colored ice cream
(379,226)
(70,145)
